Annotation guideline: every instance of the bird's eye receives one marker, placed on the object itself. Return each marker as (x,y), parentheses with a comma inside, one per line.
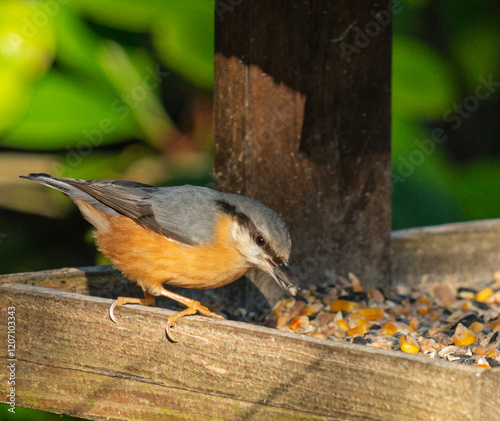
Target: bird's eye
(260,240)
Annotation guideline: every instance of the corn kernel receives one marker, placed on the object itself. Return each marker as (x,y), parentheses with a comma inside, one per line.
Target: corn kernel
(476,327)
(463,336)
(479,350)
(294,323)
(282,320)
(413,323)
(372,313)
(426,348)
(496,276)
(343,305)
(357,330)
(397,327)
(318,335)
(355,282)
(423,299)
(299,321)
(343,324)
(408,344)
(467,295)
(358,322)
(357,315)
(483,295)
(482,365)
(423,310)
(494,325)
(311,310)
(444,293)
(376,295)
(467,306)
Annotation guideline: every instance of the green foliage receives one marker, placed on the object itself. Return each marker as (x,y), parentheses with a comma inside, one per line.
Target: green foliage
(98,78)
(475,49)
(430,86)
(184,37)
(24,414)
(62,110)
(422,83)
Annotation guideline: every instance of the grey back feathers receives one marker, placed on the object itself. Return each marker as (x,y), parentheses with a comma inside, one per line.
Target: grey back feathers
(186,214)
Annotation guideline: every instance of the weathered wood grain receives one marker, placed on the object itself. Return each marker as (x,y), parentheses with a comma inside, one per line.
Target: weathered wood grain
(72,359)
(461,253)
(305,128)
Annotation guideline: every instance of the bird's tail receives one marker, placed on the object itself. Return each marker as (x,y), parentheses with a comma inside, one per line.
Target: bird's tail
(49,181)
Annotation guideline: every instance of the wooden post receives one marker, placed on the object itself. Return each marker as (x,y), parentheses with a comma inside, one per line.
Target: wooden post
(302,123)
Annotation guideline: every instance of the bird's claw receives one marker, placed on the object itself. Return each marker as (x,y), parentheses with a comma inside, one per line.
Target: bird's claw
(111,314)
(167,332)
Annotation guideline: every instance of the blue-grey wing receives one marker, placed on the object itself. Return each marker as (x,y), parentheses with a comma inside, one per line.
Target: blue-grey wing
(185,214)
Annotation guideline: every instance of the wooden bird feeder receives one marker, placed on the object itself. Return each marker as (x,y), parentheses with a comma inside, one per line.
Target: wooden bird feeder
(71,359)
(302,123)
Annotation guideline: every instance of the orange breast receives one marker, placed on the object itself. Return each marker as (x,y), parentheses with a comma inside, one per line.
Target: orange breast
(150,259)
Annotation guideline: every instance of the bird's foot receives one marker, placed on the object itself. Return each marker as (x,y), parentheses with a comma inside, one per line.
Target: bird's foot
(193,307)
(148,300)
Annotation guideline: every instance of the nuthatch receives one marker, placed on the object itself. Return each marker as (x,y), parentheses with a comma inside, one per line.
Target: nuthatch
(186,236)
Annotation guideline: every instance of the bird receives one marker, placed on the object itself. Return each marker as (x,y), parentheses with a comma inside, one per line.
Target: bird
(185,236)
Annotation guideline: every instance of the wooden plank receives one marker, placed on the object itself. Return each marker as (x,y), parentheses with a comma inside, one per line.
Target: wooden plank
(462,253)
(72,359)
(488,396)
(107,282)
(305,128)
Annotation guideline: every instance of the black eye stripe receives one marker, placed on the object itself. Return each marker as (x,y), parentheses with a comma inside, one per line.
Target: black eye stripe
(245,221)
(231,210)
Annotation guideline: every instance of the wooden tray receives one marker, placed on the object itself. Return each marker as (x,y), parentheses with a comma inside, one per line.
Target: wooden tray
(71,359)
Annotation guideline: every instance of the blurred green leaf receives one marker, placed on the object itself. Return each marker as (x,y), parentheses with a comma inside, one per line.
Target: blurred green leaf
(422,83)
(476,187)
(475,47)
(418,202)
(26,44)
(130,15)
(421,175)
(26,52)
(137,79)
(78,46)
(415,151)
(184,37)
(66,112)
(414,4)
(15,92)
(95,166)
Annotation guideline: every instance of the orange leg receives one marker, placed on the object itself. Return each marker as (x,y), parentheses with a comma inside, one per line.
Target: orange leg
(148,300)
(192,307)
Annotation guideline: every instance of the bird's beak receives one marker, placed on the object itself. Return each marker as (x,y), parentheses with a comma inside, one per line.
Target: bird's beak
(284,276)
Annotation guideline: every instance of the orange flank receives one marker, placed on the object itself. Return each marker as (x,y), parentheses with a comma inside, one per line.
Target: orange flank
(151,259)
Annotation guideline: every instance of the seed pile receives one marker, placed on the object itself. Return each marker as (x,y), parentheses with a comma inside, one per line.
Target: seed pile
(443,322)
